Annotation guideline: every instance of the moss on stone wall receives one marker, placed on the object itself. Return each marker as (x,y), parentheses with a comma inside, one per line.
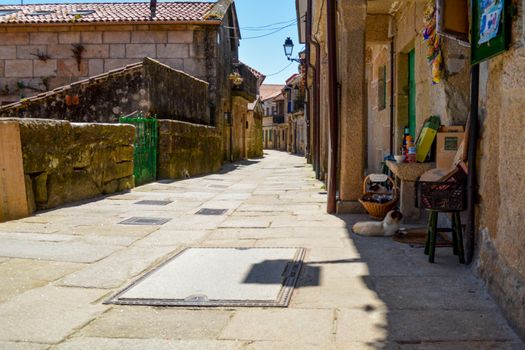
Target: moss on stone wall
(80,160)
(187,150)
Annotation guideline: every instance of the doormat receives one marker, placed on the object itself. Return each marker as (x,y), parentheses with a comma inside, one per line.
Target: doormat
(212,277)
(208,211)
(418,237)
(144,221)
(153,202)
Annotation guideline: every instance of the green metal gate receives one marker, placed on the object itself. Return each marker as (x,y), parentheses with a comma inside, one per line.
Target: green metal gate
(145,153)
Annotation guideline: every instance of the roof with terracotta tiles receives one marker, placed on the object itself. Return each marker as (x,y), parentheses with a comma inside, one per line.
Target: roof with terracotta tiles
(111,12)
(268,91)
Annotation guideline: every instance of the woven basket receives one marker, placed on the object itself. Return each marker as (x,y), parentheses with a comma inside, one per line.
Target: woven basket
(379,210)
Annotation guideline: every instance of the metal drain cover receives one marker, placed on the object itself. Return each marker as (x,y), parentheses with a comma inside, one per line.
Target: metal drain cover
(144,221)
(259,277)
(208,211)
(153,202)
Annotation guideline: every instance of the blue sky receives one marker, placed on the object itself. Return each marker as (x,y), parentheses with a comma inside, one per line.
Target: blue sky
(264,54)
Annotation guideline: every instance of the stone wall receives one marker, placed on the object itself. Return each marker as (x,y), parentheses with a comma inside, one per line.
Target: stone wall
(187,150)
(176,95)
(501,166)
(106,47)
(148,86)
(80,161)
(99,99)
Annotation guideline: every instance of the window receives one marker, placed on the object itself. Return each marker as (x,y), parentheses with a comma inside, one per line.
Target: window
(246,124)
(381,88)
(270,135)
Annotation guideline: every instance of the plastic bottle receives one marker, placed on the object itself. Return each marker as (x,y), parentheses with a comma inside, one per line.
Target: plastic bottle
(405,143)
(411,154)
(408,142)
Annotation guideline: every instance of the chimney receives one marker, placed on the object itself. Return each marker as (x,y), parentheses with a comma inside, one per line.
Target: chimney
(153,7)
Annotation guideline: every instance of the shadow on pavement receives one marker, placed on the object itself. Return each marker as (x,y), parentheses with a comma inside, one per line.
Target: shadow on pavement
(424,306)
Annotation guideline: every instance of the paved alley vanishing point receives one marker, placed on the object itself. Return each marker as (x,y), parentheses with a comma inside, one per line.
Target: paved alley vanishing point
(58,267)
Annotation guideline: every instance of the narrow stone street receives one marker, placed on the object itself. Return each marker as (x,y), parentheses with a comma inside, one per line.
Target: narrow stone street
(58,267)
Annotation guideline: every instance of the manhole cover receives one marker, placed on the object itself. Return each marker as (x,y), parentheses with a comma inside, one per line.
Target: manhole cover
(207,211)
(260,277)
(144,221)
(153,202)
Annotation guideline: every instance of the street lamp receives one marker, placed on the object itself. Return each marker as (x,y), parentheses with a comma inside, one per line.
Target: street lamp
(288,49)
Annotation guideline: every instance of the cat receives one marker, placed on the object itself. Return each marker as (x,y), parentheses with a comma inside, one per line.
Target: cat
(388,227)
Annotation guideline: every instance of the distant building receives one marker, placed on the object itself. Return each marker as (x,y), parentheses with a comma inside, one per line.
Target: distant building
(274,127)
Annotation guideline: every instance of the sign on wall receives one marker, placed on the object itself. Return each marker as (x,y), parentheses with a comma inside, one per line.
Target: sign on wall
(490,29)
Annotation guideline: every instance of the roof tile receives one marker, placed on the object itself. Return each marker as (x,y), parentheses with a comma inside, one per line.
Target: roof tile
(107,12)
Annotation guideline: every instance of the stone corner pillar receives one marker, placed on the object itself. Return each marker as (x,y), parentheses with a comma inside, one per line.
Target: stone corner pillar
(13,200)
(351,41)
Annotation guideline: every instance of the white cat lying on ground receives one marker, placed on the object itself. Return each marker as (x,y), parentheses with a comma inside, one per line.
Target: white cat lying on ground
(388,227)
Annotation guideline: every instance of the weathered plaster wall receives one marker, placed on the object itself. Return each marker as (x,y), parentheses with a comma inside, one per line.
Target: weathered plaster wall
(378,128)
(80,160)
(149,86)
(501,237)
(187,150)
(106,47)
(13,201)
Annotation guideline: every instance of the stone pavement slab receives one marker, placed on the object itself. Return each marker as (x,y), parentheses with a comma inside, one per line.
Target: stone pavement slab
(20,275)
(56,251)
(310,326)
(90,343)
(22,346)
(48,314)
(158,323)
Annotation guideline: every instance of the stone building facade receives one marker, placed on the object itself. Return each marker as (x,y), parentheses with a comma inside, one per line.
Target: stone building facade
(383,71)
(43,47)
(295,118)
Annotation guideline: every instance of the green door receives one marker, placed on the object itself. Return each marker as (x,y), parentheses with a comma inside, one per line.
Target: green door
(412,93)
(145,153)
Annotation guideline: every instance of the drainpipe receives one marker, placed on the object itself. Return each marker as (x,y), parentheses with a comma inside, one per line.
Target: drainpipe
(332,92)
(317,130)
(472,186)
(392,67)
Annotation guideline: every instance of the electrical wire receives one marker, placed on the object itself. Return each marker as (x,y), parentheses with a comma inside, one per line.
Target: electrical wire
(262,27)
(282,70)
(264,35)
